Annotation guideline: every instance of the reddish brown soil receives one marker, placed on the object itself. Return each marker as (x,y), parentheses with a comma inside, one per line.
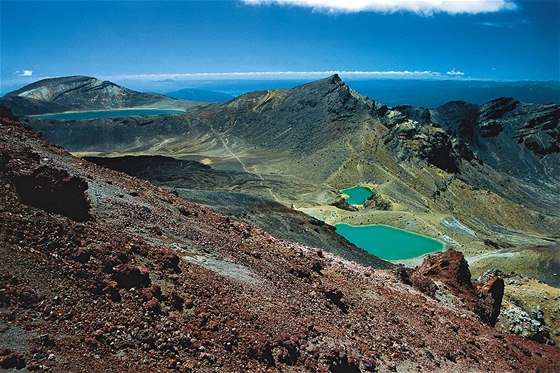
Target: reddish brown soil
(140,280)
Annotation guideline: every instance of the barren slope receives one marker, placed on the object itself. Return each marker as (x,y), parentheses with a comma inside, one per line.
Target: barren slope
(140,280)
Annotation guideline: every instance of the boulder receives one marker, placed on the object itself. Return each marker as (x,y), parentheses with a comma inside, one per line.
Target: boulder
(53,190)
(452,270)
(128,276)
(449,267)
(491,295)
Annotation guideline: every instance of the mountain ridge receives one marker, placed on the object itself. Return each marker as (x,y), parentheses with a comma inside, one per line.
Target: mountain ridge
(78,92)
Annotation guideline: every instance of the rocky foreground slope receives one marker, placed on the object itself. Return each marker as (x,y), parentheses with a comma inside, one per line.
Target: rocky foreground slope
(129,277)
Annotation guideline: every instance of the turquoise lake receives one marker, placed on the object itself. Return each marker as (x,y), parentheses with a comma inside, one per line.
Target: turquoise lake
(96,114)
(357,195)
(388,242)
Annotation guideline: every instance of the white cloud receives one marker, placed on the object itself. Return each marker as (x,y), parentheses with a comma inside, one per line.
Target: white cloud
(423,7)
(404,74)
(454,72)
(497,24)
(23,73)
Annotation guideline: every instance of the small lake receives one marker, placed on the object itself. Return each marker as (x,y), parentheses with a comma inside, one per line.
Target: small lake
(357,195)
(387,242)
(115,113)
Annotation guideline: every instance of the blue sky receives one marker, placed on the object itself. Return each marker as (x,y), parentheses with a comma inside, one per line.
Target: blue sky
(499,40)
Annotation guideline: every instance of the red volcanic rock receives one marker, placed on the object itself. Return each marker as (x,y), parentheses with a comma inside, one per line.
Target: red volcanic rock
(90,341)
(212,294)
(175,300)
(153,305)
(424,284)
(449,267)
(151,292)
(53,190)
(12,293)
(166,258)
(491,294)
(336,297)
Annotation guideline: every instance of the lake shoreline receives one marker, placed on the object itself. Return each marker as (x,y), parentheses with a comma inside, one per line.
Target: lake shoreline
(135,111)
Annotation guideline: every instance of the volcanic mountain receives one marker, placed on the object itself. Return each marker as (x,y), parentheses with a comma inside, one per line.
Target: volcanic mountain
(483,178)
(103,271)
(76,93)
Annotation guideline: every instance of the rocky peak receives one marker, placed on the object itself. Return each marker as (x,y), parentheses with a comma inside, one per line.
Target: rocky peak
(335,78)
(322,87)
(47,89)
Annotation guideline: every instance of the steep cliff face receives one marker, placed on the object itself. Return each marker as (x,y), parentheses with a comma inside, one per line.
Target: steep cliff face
(521,140)
(82,93)
(151,282)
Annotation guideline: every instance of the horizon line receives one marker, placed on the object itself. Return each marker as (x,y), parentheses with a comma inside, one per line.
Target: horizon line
(451,75)
(266,75)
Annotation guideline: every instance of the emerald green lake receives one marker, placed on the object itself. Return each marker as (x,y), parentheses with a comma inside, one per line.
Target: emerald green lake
(96,114)
(357,195)
(388,242)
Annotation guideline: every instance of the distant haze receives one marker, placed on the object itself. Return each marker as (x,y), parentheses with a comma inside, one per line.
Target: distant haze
(391,92)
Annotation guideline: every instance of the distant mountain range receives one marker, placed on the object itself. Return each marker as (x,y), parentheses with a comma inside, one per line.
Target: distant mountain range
(83,93)
(200,95)
(434,93)
(392,92)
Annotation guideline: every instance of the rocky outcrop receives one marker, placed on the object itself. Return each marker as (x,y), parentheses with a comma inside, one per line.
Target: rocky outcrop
(520,139)
(129,276)
(529,308)
(490,128)
(41,185)
(531,326)
(451,270)
(341,203)
(54,190)
(412,140)
(491,294)
(497,108)
(379,202)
